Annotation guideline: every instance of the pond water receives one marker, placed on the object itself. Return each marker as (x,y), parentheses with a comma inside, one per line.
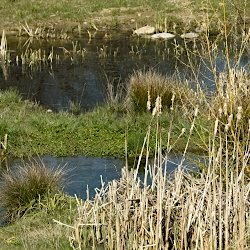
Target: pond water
(78,68)
(85,173)
(82,173)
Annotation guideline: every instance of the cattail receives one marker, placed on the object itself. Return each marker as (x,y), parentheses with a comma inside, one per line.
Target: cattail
(216,127)
(239,113)
(220,112)
(228,125)
(196,112)
(149,101)
(230,118)
(172,101)
(158,106)
(225,108)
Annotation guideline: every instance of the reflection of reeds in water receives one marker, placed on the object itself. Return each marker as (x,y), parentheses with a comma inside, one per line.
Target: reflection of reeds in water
(4,55)
(41,32)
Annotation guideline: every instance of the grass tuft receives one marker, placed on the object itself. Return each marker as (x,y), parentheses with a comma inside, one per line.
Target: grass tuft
(145,86)
(9,96)
(22,187)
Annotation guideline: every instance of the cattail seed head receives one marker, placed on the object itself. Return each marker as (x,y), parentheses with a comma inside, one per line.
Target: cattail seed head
(149,101)
(158,106)
(216,126)
(239,113)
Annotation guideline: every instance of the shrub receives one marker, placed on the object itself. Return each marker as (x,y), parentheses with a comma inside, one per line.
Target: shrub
(22,187)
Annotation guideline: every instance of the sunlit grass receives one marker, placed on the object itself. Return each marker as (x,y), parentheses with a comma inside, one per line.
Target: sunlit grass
(36,229)
(45,13)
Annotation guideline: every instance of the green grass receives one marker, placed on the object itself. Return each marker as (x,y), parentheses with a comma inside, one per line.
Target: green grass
(67,14)
(36,230)
(33,131)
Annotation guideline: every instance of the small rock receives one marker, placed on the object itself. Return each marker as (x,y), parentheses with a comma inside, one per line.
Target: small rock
(163,35)
(190,35)
(146,30)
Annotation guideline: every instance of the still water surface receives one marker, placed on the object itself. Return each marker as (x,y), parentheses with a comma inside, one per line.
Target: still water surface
(107,56)
(84,173)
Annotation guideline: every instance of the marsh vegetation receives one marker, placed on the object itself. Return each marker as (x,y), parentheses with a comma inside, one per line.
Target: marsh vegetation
(152,116)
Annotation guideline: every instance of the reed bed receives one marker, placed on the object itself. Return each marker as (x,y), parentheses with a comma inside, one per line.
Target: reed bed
(208,209)
(185,212)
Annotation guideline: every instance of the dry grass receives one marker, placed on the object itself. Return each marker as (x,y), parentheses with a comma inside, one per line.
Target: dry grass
(207,211)
(231,100)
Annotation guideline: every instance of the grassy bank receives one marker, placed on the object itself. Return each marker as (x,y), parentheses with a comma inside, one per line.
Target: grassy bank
(31,130)
(72,15)
(36,230)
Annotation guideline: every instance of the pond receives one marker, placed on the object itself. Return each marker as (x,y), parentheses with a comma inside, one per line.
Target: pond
(82,173)
(55,73)
(85,175)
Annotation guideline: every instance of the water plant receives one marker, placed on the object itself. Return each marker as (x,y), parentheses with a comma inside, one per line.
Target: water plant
(103,52)
(23,186)
(115,93)
(4,55)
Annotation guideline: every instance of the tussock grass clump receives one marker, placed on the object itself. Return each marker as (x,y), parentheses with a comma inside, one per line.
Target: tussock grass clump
(75,107)
(22,187)
(145,86)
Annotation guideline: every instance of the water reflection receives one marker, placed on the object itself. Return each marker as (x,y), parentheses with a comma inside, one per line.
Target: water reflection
(56,83)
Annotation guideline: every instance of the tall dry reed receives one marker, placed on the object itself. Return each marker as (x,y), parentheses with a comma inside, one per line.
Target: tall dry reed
(208,210)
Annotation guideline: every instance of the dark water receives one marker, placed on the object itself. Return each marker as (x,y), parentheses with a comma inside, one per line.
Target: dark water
(82,173)
(107,56)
